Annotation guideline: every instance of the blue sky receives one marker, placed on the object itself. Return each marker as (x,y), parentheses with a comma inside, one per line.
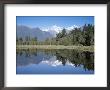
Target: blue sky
(48,21)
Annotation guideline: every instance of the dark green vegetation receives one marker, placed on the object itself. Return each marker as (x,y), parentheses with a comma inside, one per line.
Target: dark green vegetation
(75,57)
(83,36)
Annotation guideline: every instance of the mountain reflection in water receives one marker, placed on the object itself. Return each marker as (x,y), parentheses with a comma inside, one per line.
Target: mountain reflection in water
(33,61)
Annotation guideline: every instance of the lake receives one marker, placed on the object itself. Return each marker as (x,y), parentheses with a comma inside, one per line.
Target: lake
(52,61)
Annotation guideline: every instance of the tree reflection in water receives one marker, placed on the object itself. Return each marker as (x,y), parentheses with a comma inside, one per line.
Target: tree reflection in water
(78,58)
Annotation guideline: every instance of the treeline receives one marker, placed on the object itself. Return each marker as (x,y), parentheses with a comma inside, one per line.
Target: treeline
(78,36)
(26,41)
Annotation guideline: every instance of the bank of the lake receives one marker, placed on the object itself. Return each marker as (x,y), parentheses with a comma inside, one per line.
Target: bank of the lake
(84,48)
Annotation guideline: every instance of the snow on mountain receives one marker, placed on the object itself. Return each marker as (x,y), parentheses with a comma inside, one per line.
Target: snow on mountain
(56,29)
(53,29)
(41,33)
(68,29)
(72,27)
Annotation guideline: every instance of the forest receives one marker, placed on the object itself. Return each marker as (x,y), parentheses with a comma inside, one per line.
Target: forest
(81,36)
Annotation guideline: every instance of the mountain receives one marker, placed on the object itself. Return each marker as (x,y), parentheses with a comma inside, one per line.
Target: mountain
(53,29)
(49,60)
(23,31)
(41,34)
(56,29)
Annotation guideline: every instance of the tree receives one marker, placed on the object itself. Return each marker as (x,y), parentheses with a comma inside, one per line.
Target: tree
(89,34)
(21,40)
(78,36)
(35,40)
(63,32)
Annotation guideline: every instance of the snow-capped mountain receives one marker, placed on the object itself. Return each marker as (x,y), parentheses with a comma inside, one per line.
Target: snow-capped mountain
(56,29)
(41,33)
(53,29)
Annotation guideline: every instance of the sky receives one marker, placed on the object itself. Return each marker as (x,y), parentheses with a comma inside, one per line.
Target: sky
(50,22)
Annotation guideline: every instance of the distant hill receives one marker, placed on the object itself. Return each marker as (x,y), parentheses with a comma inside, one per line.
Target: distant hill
(23,31)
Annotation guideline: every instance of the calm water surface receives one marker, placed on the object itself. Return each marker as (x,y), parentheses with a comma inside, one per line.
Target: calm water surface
(33,61)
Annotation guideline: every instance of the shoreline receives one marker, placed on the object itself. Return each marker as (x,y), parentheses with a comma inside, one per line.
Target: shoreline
(84,48)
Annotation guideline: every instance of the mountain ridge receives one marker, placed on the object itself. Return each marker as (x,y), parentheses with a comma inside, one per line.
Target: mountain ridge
(23,31)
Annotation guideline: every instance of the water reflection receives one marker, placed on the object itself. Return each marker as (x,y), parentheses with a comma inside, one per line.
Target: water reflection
(63,61)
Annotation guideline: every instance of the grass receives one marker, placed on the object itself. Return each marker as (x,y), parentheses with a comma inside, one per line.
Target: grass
(84,48)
